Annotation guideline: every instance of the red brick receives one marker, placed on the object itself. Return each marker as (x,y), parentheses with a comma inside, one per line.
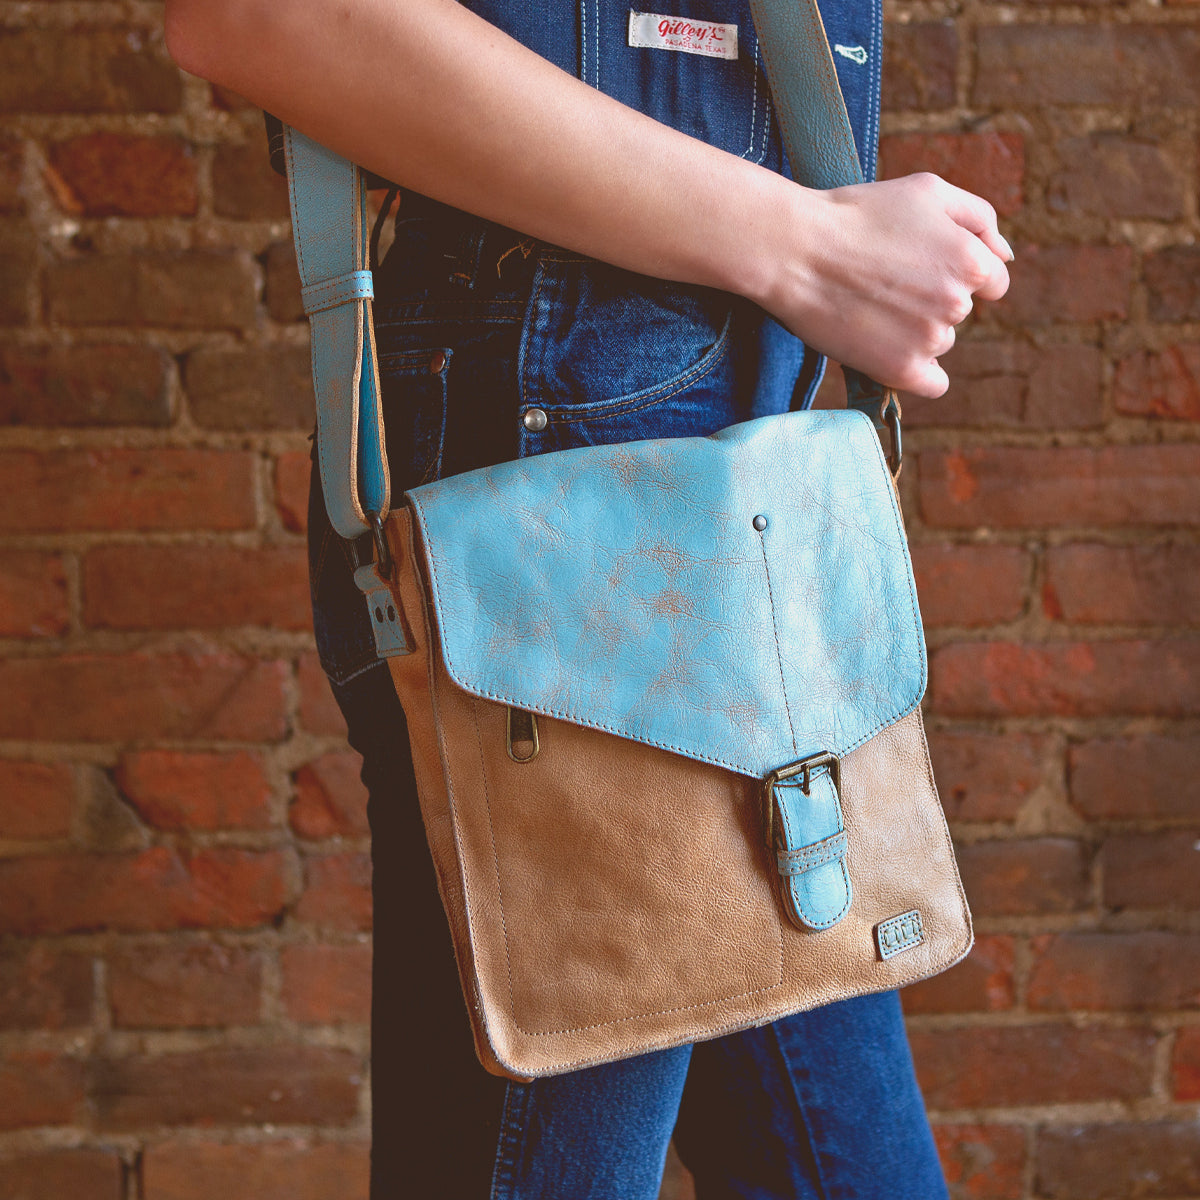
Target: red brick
(245,187)
(1013,487)
(282,284)
(93,70)
(327,985)
(921,64)
(189,986)
(292,1170)
(1151,870)
(173,289)
(39,1088)
(985,776)
(35,800)
(319,712)
(292,472)
(1162,383)
(991,165)
(337,891)
(331,799)
(216,587)
(982,1162)
(33,594)
(278,1085)
(1072,679)
(1023,65)
(1118,1161)
(103,698)
(1112,175)
(1123,585)
(12,154)
(1185,1064)
(1173,282)
(1137,778)
(84,385)
(1066,283)
(41,988)
(1133,972)
(122,175)
(18,272)
(982,982)
(1012,385)
(252,387)
(175,790)
(156,889)
(970,584)
(1027,875)
(1003,1066)
(55,1174)
(160,489)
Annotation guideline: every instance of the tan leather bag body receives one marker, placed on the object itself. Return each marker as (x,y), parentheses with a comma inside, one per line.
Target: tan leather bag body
(607,896)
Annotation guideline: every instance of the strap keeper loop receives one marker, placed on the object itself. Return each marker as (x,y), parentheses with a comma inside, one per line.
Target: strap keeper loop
(341,289)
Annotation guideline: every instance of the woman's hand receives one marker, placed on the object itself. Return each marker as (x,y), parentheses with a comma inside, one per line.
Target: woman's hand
(878,275)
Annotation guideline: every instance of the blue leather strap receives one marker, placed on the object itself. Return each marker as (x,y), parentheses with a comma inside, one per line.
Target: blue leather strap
(330,229)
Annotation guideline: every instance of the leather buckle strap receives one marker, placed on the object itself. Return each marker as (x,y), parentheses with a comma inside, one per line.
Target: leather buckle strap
(803,767)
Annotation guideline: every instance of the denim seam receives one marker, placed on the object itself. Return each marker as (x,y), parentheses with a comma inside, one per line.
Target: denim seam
(802,1112)
(602,410)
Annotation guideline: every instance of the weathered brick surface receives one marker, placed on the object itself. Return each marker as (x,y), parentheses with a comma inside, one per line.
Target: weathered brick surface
(84,385)
(51,1175)
(1115,971)
(41,988)
(982,1162)
(1018,488)
(126,489)
(1152,778)
(1031,1064)
(1014,876)
(157,889)
(184,863)
(218,587)
(255,388)
(1152,870)
(270,1171)
(36,799)
(1123,585)
(190,986)
(107,174)
(327,985)
(279,1085)
(1112,1162)
(109,697)
(176,790)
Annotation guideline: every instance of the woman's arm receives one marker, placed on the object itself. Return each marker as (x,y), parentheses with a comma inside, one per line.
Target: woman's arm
(428,94)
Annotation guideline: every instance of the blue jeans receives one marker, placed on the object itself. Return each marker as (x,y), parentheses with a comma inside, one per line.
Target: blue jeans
(492,346)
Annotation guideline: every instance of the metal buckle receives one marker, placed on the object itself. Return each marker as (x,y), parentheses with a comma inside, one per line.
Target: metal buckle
(527,731)
(383,555)
(803,767)
(889,414)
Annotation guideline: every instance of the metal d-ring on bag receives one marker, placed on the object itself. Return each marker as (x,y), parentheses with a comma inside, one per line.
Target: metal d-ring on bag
(663,697)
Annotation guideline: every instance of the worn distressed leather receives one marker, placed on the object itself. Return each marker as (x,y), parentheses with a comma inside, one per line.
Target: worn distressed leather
(609,898)
(627,588)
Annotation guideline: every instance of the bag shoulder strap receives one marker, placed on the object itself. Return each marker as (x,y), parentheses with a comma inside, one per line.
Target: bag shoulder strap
(329,225)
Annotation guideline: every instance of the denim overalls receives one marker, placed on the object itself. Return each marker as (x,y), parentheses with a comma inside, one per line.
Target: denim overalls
(494,346)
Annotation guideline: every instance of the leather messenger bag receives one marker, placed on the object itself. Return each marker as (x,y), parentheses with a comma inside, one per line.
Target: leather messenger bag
(663,696)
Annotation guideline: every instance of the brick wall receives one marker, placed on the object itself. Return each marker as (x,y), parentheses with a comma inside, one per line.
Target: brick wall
(184,903)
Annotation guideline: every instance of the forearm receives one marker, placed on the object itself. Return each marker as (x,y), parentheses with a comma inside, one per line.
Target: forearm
(426,93)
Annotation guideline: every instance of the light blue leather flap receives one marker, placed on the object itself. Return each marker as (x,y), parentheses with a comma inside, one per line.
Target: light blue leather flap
(630,588)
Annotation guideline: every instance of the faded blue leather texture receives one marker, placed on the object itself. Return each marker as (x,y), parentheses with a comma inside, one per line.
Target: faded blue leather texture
(627,588)
(810,849)
(329,226)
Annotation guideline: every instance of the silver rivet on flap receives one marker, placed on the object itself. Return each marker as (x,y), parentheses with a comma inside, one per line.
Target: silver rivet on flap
(760,523)
(535,420)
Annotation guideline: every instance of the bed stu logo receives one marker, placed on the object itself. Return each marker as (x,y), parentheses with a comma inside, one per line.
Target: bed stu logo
(660,32)
(899,933)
